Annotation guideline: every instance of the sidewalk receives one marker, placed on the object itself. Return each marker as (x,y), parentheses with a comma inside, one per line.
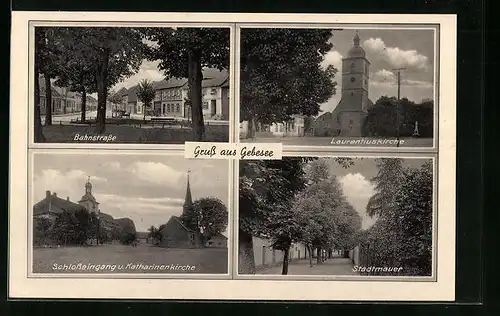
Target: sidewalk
(336,266)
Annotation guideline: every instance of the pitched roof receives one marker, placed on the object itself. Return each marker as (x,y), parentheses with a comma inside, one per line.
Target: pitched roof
(178,220)
(214,77)
(88,197)
(122,91)
(218,235)
(170,83)
(54,204)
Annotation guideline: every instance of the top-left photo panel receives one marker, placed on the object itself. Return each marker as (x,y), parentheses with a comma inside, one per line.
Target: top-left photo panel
(129,85)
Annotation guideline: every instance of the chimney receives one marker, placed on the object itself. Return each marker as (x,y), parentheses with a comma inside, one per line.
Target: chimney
(54,194)
(67,198)
(47,193)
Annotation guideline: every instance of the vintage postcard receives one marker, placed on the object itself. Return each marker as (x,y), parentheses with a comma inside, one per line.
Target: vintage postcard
(371,87)
(337,217)
(215,156)
(130,84)
(116,213)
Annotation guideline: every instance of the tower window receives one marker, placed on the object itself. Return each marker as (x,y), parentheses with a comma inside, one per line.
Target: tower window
(352,94)
(352,66)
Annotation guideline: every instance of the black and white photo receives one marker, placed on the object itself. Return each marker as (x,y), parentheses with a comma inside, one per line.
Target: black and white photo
(108,213)
(338,87)
(336,217)
(131,85)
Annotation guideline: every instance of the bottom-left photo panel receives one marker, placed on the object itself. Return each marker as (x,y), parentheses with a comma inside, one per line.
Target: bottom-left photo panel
(104,212)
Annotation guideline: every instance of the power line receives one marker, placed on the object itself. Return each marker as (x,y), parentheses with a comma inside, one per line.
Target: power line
(397,104)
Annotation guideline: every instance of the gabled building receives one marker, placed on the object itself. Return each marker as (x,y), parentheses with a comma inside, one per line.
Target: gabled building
(64,101)
(172,94)
(52,205)
(176,234)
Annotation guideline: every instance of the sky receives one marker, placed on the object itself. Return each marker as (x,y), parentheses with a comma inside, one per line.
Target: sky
(148,189)
(356,182)
(386,50)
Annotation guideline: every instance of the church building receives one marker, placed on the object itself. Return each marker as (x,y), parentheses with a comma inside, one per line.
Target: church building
(52,205)
(176,234)
(349,115)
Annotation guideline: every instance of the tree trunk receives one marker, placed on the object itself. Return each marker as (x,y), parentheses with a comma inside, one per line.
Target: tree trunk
(330,251)
(84,104)
(309,251)
(286,255)
(318,255)
(102,93)
(246,260)
(251,128)
(48,100)
(195,94)
(144,113)
(38,133)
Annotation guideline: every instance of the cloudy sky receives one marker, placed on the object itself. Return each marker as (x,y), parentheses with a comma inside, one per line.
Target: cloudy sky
(386,50)
(356,182)
(145,188)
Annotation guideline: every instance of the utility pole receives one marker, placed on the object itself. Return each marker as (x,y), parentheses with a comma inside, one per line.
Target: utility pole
(397,104)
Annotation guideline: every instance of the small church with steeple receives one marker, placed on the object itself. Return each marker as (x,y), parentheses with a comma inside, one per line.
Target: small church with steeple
(182,231)
(348,117)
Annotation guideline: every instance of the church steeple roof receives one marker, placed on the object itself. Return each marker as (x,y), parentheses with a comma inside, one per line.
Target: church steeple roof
(356,50)
(188,200)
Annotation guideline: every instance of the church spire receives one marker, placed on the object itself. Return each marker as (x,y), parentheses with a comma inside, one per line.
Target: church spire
(88,187)
(356,39)
(188,200)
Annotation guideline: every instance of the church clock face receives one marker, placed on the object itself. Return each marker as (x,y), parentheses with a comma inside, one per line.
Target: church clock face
(352,79)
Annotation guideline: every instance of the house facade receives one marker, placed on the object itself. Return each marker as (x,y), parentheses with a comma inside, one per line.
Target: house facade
(218,241)
(293,128)
(172,94)
(52,205)
(265,256)
(64,101)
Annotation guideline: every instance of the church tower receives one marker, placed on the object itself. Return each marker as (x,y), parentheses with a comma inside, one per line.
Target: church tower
(188,200)
(88,200)
(355,79)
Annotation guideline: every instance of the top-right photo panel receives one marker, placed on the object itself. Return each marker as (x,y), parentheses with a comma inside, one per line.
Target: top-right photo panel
(339,87)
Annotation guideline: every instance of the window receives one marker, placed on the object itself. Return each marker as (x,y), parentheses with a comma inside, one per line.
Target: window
(352,66)
(178,107)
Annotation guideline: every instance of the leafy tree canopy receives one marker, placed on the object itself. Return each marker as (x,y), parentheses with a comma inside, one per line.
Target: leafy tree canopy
(282,75)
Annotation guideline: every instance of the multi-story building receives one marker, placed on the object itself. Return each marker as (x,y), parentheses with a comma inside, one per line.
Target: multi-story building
(172,94)
(64,101)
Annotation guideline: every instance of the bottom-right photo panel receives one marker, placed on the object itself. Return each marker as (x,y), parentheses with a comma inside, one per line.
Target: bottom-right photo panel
(336,216)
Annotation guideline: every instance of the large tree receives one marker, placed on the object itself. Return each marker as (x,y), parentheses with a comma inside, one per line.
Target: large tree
(38,133)
(382,118)
(212,216)
(282,73)
(77,71)
(146,94)
(183,53)
(402,235)
(114,53)
(268,191)
(49,53)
